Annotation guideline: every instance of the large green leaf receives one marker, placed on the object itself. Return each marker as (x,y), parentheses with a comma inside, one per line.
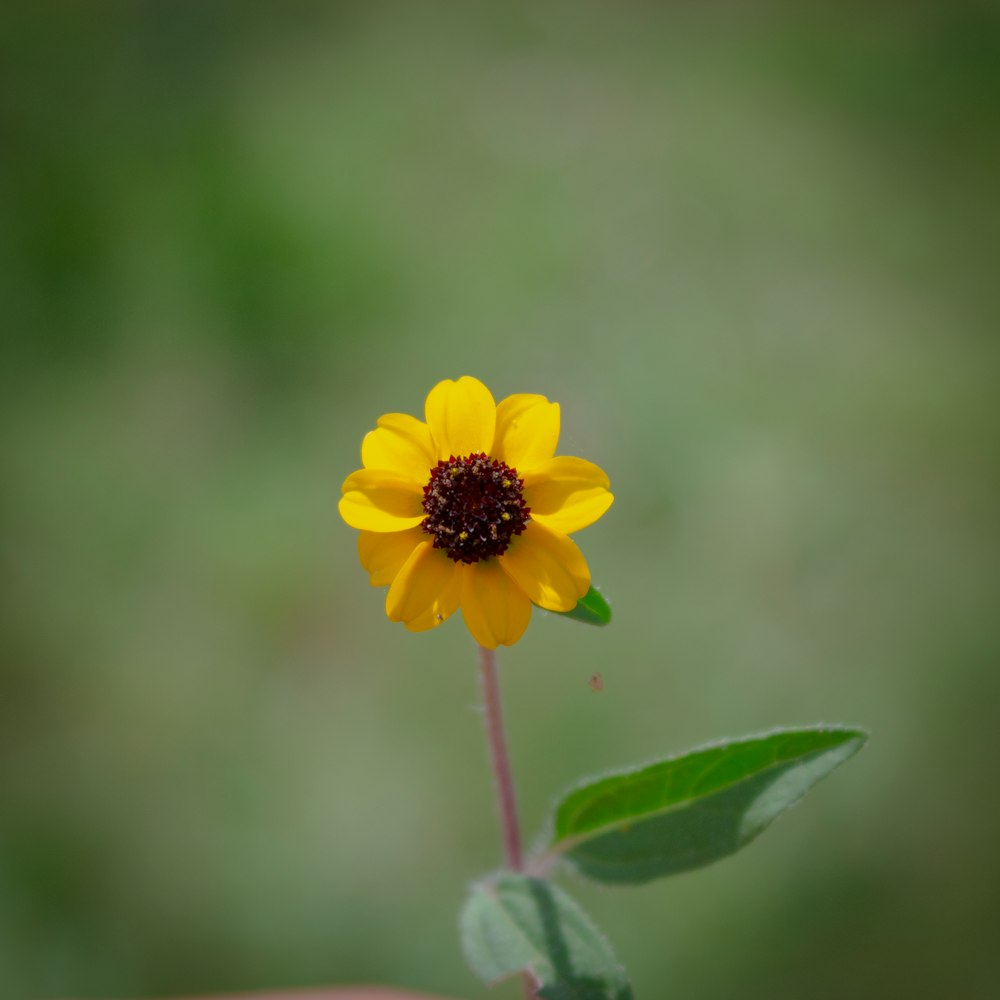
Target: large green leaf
(685,812)
(514,924)
(592,608)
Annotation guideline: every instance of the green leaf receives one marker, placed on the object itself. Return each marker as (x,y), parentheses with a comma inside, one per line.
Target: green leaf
(688,811)
(514,923)
(591,608)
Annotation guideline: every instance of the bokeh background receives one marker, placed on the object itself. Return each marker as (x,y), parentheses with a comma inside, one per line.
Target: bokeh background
(751,248)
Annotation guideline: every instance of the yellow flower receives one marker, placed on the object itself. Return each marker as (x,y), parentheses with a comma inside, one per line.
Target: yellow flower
(473,510)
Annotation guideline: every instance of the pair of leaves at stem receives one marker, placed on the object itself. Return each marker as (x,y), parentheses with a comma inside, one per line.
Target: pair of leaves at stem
(633,826)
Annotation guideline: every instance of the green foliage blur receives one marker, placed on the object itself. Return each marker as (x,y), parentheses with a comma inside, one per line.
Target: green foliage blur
(751,249)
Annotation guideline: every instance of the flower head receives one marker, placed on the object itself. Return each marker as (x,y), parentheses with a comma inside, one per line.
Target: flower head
(471,509)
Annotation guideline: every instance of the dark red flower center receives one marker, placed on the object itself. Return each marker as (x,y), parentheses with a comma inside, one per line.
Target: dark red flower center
(474,507)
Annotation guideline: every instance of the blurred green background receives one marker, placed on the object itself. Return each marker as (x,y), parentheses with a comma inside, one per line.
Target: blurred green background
(751,249)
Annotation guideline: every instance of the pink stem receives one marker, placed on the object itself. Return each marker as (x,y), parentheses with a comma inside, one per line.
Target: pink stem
(499,759)
(501,773)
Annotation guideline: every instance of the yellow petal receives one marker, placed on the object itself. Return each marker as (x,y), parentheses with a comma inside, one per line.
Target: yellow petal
(401,444)
(548,567)
(442,609)
(495,610)
(462,417)
(383,553)
(375,500)
(527,431)
(424,585)
(566,494)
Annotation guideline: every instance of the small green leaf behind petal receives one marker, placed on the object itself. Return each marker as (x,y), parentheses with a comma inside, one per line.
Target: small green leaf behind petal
(514,923)
(591,608)
(678,814)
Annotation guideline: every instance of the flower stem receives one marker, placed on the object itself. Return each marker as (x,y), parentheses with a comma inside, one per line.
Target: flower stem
(506,802)
(498,758)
